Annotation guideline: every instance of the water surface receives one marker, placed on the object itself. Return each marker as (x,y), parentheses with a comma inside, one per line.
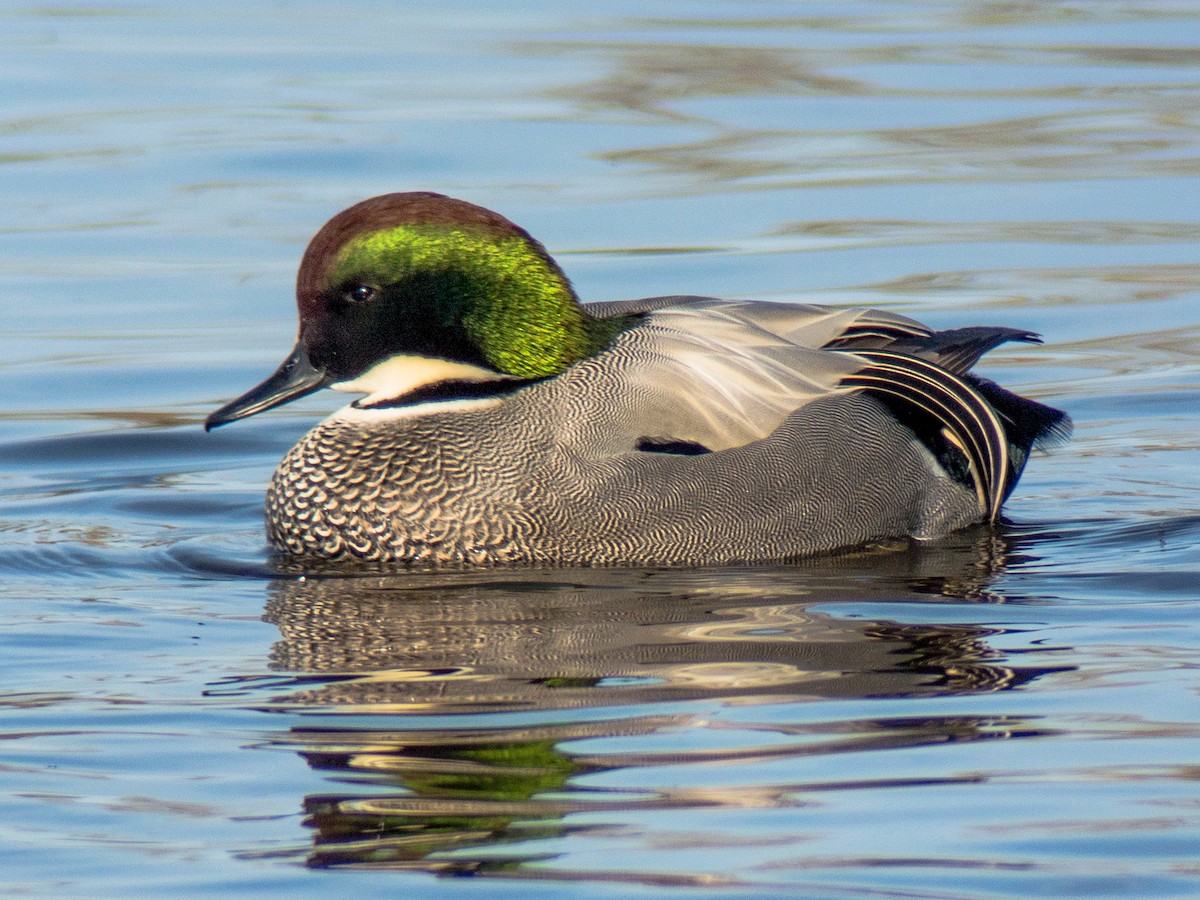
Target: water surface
(1006,713)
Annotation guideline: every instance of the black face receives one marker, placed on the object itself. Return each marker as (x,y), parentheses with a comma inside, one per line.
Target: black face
(360,324)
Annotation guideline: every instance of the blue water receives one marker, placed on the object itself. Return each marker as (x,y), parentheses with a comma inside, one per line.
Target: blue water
(1008,713)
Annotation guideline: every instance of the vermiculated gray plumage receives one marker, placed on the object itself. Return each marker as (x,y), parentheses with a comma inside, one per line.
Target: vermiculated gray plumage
(780,451)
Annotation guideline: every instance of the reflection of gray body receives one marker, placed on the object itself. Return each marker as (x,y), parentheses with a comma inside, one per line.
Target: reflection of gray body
(473,641)
(552,472)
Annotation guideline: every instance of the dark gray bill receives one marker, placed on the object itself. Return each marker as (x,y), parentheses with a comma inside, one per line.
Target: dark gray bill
(296,377)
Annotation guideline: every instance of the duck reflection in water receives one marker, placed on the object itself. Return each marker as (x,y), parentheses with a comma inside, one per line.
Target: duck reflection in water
(640,642)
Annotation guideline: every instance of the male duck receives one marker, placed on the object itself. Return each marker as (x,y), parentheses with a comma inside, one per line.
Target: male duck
(504,422)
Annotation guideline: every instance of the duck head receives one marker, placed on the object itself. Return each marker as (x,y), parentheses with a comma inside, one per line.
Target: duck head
(409,296)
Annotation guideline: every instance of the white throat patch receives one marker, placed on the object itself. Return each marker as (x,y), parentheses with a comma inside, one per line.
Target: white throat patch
(398,375)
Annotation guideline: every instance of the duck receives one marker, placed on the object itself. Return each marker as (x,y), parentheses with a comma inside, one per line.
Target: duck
(501,421)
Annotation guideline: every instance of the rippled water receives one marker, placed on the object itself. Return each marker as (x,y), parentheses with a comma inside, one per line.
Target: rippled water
(1007,713)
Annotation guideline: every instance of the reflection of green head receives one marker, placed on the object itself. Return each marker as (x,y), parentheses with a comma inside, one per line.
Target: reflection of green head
(429,275)
(460,795)
(501,772)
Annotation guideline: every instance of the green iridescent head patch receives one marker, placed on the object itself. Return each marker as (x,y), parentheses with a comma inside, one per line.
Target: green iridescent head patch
(509,298)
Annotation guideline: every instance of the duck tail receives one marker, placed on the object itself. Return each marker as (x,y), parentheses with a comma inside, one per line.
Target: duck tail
(980,433)
(1027,423)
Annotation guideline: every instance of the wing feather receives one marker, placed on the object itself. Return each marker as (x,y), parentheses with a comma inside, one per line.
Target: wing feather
(720,374)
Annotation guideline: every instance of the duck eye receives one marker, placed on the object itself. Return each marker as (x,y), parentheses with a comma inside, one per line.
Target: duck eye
(359,293)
